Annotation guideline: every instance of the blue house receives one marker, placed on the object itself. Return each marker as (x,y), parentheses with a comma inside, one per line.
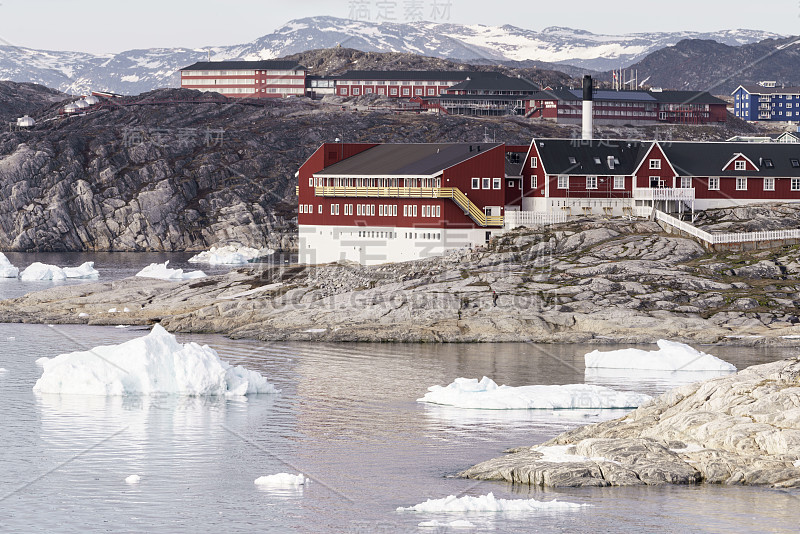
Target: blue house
(767,102)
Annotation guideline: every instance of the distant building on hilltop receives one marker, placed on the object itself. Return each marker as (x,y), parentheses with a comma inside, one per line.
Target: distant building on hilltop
(638,108)
(402,83)
(246,79)
(767,102)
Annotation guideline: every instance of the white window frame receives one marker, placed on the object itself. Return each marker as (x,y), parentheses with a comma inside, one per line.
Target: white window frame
(591,182)
(476,183)
(563,181)
(405,210)
(655,164)
(740,165)
(619,182)
(534,181)
(713,183)
(497,183)
(795,184)
(741,183)
(414,210)
(769,184)
(319,209)
(534,162)
(394,210)
(686,182)
(487,183)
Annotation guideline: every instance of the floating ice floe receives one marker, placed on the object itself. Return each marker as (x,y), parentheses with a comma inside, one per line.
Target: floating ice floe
(458,523)
(229,255)
(488,503)
(6,269)
(133,479)
(670,356)
(281,480)
(161,271)
(153,364)
(42,271)
(486,394)
(3,370)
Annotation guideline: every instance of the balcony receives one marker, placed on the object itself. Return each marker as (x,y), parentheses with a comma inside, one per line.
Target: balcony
(663,193)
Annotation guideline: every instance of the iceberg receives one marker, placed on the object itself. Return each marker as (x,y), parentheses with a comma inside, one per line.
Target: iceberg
(133,479)
(281,480)
(6,269)
(487,395)
(229,255)
(161,271)
(670,356)
(488,503)
(42,271)
(149,365)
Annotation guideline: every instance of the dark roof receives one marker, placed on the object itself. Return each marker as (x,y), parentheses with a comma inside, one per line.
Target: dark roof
(448,97)
(555,156)
(408,159)
(245,65)
(498,82)
(708,159)
(674,97)
(430,75)
(761,90)
(687,97)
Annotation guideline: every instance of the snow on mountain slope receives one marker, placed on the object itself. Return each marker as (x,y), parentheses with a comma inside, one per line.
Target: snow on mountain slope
(137,71)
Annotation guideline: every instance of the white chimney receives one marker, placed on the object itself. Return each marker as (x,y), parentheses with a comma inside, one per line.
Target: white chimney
(588,109)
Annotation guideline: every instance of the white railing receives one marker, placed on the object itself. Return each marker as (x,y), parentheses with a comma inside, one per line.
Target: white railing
(730,237)
(663,193)
(532,218)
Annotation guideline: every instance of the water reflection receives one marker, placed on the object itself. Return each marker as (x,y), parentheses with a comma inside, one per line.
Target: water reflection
(645,380)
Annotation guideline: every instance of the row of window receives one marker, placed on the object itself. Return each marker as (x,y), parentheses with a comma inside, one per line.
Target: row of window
(362,82)
(241,72)
(418,91)
(251,90)
(686,182)
(247,81)
(377,234)
(384,210)
(487,183)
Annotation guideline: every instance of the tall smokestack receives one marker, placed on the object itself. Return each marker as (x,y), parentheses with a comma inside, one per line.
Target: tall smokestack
(586,130)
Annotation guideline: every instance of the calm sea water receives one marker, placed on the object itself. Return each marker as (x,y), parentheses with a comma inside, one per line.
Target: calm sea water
(346,417)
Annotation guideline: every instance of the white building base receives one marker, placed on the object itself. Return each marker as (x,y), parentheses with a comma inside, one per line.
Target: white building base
(375,245)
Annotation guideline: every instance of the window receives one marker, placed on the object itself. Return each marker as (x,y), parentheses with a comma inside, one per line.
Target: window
(476,183)
(380,210)
(319,209)
(591,182)
(572,160)
(394,210)
(414,210)
(795,162)
(438,211)
(393,91)
(740,165)
(406,91)
(713,184)
(356,91)
(741,183)
(769,184)
(686,181)
(311,181)
(795,184)
(597,160)
(563,182)
(487,183)
(497,183)
(534,182)
(655,163)
(619,182)
(534,163)
(405,211)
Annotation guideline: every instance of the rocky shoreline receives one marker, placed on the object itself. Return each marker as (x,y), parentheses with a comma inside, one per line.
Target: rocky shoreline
(587,281)
(738,429)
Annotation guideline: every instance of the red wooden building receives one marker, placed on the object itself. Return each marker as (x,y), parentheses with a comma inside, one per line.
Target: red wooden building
(246,79)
